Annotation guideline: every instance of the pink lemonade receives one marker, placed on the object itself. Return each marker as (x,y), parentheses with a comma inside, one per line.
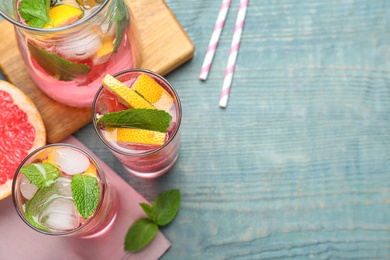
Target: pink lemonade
(69,64)
(146,160)
(60,190)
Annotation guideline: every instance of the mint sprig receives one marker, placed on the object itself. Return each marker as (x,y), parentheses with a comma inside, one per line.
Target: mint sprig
(41,174)
(32,221)
(35,12)
(142,118)
(39,202)
(164,208)
(85,194)
(121,18)
(140,233)
(162,211)
(57,66)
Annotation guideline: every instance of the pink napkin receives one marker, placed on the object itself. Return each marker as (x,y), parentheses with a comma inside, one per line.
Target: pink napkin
(18,241)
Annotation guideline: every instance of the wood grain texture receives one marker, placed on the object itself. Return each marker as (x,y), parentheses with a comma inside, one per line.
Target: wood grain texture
(165,47)
(297,166)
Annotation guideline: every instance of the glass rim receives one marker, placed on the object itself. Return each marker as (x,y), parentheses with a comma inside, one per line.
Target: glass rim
(101,199)
(149,152)
(59,29)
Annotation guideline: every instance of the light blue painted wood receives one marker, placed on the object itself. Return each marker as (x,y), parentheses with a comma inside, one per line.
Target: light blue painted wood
(298,164)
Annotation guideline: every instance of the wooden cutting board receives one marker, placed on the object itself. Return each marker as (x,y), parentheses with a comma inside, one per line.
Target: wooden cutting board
(165,47)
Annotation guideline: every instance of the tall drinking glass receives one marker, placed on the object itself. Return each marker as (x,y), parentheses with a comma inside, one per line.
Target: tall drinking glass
(68,62)
(140,159)
(60,190)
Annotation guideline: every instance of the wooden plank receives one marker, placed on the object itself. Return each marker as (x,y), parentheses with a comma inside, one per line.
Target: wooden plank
(165,47)
(297,165)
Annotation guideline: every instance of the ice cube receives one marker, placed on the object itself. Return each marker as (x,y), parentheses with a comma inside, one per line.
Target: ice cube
(63,187)
(60,214)
(80,48)
(43,198)
(26,188)
(70,161)
(108,29)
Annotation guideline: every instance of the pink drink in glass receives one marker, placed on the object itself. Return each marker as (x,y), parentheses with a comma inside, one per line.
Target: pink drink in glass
(145,161)
(104,40)
(51,209)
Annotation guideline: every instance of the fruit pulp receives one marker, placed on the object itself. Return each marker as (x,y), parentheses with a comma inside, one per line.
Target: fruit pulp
(21,131)
(104,47)
(52,209)
(143,160)
(14,141)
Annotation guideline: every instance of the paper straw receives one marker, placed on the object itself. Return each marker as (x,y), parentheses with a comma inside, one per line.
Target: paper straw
(233,53)
(208,59)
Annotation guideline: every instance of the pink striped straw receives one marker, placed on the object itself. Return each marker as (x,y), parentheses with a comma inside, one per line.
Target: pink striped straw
(233,53)
(208,59)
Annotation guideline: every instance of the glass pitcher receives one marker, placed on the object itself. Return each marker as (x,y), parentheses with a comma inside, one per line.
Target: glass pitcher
(68,62)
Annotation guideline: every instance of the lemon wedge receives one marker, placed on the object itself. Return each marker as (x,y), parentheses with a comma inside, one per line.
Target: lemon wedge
(106,49)
(62,15)
(132,135)
(125,95)
(153,92)
(91,171)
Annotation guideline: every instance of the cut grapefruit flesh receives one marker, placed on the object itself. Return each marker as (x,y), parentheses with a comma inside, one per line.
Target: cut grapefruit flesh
(21,131)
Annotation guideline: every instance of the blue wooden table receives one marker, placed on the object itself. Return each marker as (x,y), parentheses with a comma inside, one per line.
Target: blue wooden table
(298,164)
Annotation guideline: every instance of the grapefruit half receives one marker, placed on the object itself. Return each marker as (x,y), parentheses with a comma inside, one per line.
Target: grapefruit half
(21,131)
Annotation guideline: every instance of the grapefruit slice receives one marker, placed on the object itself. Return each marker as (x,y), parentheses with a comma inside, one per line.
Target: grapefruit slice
(21,131)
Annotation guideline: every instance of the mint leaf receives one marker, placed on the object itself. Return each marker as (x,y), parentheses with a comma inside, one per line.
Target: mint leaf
(57,66)
(41,174)
(85,194)
(37,204)
(147,209)
(142,118)
(165,207)
(121,18)
(32,221)
(162,212)
(140,234)
(35,12)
